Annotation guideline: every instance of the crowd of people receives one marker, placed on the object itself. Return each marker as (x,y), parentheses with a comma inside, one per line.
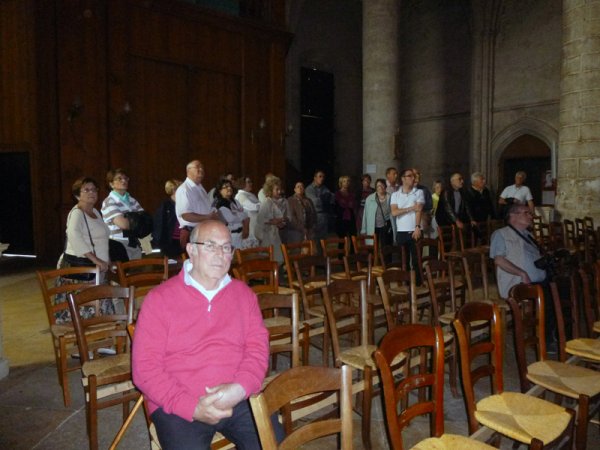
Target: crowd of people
(190,321)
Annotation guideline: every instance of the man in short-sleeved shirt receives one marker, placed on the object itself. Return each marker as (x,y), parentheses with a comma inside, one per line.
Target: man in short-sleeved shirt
(192,204)
(518,192)
(407,204)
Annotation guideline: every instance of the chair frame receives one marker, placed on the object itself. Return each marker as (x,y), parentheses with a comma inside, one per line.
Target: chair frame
(292,252)
(403,339)
(300,382)
(104,330)
(62,342)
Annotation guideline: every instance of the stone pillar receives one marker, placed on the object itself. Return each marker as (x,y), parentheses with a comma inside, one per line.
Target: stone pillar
(578,166)
(482,82)
(380,84)
(3,361)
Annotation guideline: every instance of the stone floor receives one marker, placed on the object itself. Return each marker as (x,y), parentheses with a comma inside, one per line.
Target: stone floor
(32,415)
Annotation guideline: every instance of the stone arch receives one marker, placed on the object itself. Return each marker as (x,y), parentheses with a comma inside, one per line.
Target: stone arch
(527,125)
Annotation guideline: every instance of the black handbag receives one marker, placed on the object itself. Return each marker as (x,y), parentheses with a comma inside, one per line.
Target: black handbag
(117,251)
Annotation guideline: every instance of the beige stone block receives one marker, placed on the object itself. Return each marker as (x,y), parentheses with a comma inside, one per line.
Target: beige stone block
(572,48)
(589,114)
(569,101)
(577,149)
(590,61)
(590,97)
(571,65)
(590,167)
(569,133)
(590,132)
(567,168)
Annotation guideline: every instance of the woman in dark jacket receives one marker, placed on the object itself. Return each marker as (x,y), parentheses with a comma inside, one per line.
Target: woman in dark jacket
(166,227)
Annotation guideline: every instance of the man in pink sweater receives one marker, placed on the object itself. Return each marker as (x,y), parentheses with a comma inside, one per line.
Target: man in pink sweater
(201,349)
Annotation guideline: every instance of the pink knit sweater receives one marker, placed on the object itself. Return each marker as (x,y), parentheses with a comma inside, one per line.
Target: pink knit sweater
(184,344)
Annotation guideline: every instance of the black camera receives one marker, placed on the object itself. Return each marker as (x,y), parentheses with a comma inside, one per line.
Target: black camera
(559,261)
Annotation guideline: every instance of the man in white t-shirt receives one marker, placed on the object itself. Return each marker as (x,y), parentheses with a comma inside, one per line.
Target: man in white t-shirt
(407,203)
(518,192)
(192,204)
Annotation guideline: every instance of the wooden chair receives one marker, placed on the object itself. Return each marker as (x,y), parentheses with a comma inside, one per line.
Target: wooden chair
(63,334)
(589,276)
(261,275)
(398,292)
(106,380)
(312,273)
(556,232)
(441,286)
(335,249)
(292,252)
(144,274)
(578,383)
(367,243)
(247,254)
(448,240)
(346,306)
(300,382)
(285,332)
(426,378)
(520,417)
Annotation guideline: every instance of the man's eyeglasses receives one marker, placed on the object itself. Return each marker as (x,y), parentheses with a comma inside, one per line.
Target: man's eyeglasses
(212,247)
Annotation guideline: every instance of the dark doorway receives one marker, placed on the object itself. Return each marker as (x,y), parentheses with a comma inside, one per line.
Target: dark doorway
(316,135)
(16,218)
(531,155)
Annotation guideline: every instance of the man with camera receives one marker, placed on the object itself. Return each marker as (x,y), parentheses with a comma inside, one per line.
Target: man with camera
(515,253)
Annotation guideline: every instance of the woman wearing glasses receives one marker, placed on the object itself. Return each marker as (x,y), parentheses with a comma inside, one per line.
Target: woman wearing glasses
(233,214)
(114,208)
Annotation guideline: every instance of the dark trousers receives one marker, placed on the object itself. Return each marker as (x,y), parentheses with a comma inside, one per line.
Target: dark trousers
(405,239)
(184,237)
(179,434)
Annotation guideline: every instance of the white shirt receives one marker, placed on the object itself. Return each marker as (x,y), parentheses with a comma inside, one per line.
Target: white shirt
(407,221)
(251,205)
(191,198)
(520,193)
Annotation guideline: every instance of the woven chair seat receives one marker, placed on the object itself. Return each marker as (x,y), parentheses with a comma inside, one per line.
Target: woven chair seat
(285,290)
(565,379)
(403,290)
(339,276)
(362,355)
(107,367)
(314,285)
(500,302)
(65,330)
(278,321)
(522,417)
(451,442)
(584,347)
(596,327)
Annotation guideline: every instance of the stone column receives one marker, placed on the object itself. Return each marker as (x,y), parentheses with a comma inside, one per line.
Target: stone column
(578,167)
(482,81)
(380,84)
(3,361)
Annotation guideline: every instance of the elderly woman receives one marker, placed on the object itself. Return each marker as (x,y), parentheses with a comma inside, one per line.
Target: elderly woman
(366,190)
(377,215)
(232,213)
(87,239)
(114,208)
(302,216)
(271,218)
(248,200)
(345,206)
(166,226)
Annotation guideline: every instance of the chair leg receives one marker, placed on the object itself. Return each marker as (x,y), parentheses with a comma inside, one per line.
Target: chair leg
(326,343)
(92,406)
(582,422)
(63,373)
(125,426)
(453,369)
(367,398)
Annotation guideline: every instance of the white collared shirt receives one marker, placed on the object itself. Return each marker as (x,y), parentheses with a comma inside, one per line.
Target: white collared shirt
(408,221)
(209,294)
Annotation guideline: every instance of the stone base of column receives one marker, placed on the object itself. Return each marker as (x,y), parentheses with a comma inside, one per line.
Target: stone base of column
(3,368)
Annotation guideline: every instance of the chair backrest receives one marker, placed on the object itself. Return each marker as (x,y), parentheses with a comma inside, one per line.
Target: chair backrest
(556,233)
(359,266)
(470,317)
(366,243)
(311,273)
(588,275)
(260,274)
(391,256)
(284,330)
(427,376)
(48,282)
(440,279)
(346,306)
(300,382)
(526,302)
(570,234)
(396,305)
(144,274)
(292,252)
(565,295)
(335,249)
(448,240)
(427,250)
(95,328)
(246,254)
